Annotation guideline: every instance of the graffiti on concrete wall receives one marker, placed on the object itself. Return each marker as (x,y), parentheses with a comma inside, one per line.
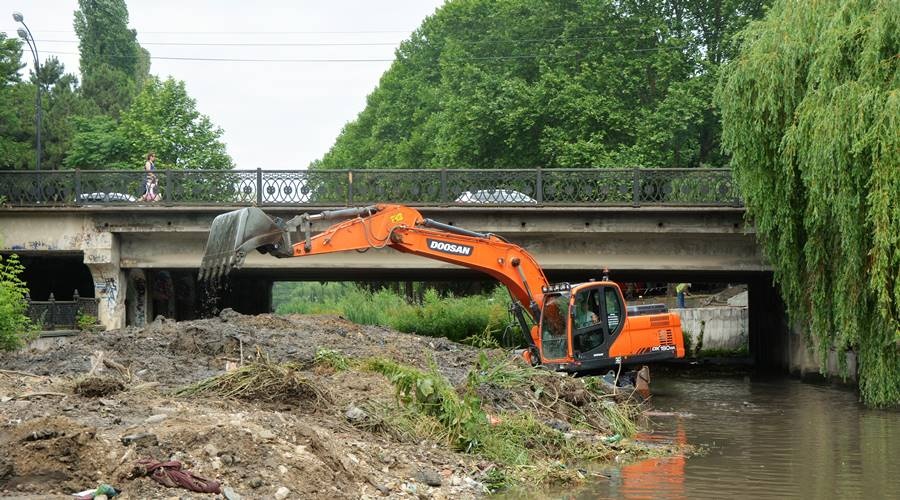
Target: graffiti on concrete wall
(109,290)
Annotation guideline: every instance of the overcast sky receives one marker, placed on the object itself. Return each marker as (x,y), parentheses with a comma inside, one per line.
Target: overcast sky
(275,114)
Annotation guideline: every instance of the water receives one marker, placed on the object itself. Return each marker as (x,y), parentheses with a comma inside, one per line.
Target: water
(763,438)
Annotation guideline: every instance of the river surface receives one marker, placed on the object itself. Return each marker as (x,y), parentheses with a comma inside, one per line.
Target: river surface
(763,438)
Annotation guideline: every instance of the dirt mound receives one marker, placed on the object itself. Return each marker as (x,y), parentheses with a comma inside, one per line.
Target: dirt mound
(256,428)
(93,387)
(257,403)
(174,353)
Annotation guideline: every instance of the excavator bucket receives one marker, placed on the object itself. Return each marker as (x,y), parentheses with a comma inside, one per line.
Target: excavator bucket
(233,234)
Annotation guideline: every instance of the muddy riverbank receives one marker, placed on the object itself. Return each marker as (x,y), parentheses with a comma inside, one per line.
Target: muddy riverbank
(299,407)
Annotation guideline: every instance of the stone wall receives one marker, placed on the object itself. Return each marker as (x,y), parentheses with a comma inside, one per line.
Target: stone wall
(722,327)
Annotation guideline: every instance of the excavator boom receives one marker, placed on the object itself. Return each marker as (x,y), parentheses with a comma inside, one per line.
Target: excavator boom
(234,234)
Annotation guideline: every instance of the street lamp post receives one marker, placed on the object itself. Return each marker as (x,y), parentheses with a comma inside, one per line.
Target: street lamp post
(26,35)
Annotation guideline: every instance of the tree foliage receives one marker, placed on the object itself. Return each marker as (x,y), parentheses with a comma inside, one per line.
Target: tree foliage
(15,119)
(113,64)
(113,117)
(520,83)
(811,113)
(14,322)
(163,118)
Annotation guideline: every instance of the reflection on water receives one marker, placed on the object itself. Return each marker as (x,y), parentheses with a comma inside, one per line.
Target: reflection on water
(771,438)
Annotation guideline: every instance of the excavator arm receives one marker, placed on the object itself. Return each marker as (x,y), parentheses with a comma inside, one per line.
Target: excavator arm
(398,227)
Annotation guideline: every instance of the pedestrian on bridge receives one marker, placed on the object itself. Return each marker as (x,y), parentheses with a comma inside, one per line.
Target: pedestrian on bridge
(151,184)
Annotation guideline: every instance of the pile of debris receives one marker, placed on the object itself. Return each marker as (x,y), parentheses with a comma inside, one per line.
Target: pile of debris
(286,407)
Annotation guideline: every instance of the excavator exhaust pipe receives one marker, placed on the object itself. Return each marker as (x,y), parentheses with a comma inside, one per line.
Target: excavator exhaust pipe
(234,234)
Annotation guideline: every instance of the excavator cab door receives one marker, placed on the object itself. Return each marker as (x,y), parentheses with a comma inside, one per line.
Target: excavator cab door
(597,319)
(554,331)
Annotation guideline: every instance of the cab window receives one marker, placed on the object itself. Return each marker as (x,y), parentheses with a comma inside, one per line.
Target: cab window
(613,310)
(554,341)
(587,309)
(588,329)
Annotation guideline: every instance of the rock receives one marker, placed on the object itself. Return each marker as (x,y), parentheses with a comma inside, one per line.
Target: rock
(266,434)
(355,415)
(230,494)
(155,419)
(41,435)
(559,425)
(383,489)
(109,402)
(228,459)
(142,439)
(282,493)
(428,476)
(211,449)
(282,470)
(228,314)
(256,482)
(475,485)
(6,469)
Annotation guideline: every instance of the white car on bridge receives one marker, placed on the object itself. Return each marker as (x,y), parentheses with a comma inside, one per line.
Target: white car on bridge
(495,196)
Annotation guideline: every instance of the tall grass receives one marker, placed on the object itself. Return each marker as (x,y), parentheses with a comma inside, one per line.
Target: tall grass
(456,318)
(520,442)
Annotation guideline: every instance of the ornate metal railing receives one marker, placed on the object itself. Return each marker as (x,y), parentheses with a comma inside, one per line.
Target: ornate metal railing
(54,314)
(514,187)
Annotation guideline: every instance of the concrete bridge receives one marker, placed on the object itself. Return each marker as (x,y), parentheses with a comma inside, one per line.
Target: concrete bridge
(141,259)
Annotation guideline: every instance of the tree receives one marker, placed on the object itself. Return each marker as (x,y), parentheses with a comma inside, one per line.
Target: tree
(567,84)
(163,119)
(61,102)
(113,64)
(811,116)
(98,143)
(14,322)
(16,109)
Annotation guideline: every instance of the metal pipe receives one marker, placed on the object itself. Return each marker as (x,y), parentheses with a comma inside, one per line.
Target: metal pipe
(452,229)
(344,213)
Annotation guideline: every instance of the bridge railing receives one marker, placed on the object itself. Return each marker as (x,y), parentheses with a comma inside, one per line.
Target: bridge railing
(513,187)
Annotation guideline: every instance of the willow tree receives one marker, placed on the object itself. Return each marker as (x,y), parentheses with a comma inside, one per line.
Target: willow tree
(811,116)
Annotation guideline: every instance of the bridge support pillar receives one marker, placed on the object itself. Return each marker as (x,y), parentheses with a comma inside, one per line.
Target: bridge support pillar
(138,304)
(101,255)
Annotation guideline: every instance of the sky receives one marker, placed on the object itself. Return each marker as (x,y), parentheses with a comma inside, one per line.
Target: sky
(276,115)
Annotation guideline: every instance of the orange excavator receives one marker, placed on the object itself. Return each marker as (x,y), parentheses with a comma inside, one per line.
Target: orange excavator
(569,327)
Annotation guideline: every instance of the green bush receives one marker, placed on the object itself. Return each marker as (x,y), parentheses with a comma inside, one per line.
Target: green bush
(15,326)
(85,321)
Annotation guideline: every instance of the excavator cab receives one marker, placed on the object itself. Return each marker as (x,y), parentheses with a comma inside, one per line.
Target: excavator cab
(589,327)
